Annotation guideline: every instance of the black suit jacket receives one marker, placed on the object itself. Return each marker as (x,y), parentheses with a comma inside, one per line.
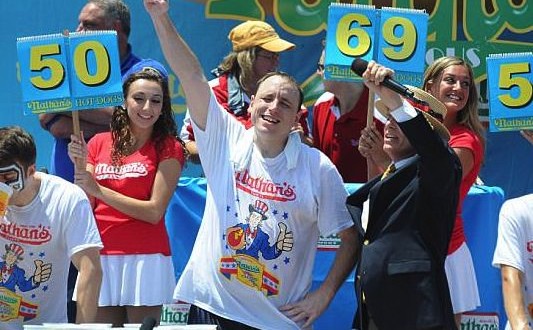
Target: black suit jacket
(411,217)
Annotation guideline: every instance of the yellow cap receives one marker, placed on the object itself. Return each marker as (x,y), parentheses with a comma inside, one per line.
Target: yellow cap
(257,33)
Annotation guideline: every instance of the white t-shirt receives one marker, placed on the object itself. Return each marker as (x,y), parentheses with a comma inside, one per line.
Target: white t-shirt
(58,223)
(514,246)
(235,269)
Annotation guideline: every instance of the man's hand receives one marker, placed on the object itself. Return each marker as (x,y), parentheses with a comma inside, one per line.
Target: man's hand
(156,7)
(371,146)
(374,75)
(307,310)
(77,152)
(528,135)
(42,272)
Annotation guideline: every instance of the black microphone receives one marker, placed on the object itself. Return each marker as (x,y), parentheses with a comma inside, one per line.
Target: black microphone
(148,323)
(359,66)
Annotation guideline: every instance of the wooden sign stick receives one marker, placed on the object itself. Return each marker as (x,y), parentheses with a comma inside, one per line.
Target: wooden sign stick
(371,167)
(76,125)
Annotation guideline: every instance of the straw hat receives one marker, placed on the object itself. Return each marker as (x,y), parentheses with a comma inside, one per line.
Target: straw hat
(433,110)
(257,33)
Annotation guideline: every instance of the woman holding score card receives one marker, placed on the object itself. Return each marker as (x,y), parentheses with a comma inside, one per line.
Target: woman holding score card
(131,173)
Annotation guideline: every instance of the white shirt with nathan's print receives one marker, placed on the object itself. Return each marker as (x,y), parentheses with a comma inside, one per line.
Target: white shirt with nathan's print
(236,269)
(58,223)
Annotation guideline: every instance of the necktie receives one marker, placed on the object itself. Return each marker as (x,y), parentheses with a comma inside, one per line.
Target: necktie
(390,169)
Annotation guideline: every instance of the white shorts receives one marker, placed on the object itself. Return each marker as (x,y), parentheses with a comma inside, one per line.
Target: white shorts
(462,280)
(136,280)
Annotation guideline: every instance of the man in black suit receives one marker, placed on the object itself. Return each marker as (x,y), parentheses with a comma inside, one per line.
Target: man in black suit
(401,282)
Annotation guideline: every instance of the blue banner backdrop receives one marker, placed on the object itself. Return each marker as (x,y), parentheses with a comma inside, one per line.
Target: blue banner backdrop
(206,23)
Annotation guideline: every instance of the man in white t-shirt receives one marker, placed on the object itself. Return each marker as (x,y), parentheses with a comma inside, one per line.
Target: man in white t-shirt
(269,198)
(49,223)
(514,256)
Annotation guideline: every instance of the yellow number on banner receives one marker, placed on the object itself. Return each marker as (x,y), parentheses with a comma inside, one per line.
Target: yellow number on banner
(507,81)
(345,33)
(38,62)
(103,65)
(407,40)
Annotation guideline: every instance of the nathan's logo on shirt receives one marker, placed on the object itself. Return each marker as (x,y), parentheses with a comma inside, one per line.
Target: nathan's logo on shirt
(131,170)
(264,188)
(34,235)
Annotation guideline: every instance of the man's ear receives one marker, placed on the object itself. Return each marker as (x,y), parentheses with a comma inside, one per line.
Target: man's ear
(252,98)
(31,170)
(298,115)
(117,26)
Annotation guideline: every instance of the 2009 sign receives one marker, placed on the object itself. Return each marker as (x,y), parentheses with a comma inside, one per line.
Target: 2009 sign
(60,73)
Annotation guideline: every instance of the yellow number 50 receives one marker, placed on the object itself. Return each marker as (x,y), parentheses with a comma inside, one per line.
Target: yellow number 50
(39,62)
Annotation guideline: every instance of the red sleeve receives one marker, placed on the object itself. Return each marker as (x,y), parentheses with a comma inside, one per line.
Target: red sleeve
(464,138)
(221,91)
(191,132)
(303,120)
(172,148)
(96,145)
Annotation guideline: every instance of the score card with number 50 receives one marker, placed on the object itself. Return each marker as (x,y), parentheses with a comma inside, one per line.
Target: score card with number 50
(67,73)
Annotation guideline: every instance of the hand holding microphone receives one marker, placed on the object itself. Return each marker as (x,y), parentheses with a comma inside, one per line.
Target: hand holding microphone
(359,66)
(378,79)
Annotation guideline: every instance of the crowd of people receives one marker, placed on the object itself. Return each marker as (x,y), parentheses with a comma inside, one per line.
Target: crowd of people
(275,186)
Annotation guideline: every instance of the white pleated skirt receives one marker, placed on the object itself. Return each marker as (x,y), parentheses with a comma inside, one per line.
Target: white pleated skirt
(136,280)
(462,280)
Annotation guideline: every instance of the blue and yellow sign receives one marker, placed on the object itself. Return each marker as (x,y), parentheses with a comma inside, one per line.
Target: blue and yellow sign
(394,37)
(68,73)
(510,90)
(350,35)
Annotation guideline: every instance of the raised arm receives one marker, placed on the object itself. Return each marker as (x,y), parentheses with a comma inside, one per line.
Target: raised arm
(182,61)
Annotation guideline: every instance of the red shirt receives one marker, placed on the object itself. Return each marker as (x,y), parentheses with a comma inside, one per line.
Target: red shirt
(122,234)
(338,138)
(462,137)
